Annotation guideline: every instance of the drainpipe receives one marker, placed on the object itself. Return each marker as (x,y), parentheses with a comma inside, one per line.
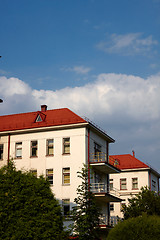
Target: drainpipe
(89,158)
(9,139)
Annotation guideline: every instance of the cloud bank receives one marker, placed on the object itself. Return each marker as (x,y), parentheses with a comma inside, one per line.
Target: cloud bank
(126,106)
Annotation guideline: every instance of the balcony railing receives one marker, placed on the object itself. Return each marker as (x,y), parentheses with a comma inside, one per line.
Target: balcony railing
(103,188)
(99,157)
(108,221)
(102,157)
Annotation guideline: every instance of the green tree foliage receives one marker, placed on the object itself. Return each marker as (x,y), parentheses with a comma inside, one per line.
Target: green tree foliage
(145,201)
(140,228)
(28,209)
(86,212)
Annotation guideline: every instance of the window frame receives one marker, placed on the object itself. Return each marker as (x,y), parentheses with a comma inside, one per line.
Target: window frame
(18,148)
(48,145)
(34,147)
(1,151)
(134,188)
(49,176)
(64,176)
(111,184)
(123,184)
(112,207)
(66,144)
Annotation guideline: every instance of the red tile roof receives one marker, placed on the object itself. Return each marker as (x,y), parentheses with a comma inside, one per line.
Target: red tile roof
(55,117)
(127,161)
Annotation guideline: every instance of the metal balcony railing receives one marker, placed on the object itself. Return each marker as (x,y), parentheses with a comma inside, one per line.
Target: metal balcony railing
(102,157)
(106,220)
(99,157)
(103,188)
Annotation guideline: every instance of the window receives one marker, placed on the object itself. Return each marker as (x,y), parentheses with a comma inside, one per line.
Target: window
(49,175)
(154,185)
(66,145)
(97,151)
(19,150)
(66,176)
(34,148)
(134,183)
(123,184)
(111,207)
(34,172)
(66,207)
(39,119)
(111,184)
(1,151)
(50,147)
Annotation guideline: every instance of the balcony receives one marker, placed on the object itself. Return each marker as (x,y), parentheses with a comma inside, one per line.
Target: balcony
(103,193)
(105,220)
(101,163)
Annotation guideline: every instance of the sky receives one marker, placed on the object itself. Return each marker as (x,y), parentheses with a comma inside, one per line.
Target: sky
(99,58)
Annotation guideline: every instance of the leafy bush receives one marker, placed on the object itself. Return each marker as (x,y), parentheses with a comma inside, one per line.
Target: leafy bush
(140,228)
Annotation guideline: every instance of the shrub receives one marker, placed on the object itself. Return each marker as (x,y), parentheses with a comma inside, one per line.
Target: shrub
(140,228)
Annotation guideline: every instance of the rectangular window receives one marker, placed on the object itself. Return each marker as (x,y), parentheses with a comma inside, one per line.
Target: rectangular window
(34,172)
(111,184)
(111,207)
(19,150)
(50,147)
(123,184)
(154,184)
(97,152)
(134,183)
(34,148)
(1,151)
(66,145)
(66,207)
(49,175)
(66,176)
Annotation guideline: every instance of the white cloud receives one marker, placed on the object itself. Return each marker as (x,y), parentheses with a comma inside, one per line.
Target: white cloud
(78,69)
(127,44)
(126,106)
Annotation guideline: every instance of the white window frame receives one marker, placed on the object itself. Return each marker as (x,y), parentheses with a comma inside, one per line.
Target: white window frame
(123,184)
(66,145)
(66,204)
(134,182)
(49,175)
(49,146)
(66,176)
(34,147)
(18,148)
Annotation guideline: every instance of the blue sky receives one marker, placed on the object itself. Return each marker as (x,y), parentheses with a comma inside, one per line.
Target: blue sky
(99,58)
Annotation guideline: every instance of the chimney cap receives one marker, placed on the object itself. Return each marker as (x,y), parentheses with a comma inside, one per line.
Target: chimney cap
(133,153)
(44,108)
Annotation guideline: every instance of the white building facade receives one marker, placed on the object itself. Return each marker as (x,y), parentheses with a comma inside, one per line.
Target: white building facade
(56,144)
(133,176)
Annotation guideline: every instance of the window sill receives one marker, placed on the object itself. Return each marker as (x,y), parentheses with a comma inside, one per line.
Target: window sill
(16,158)
(50,155)
(135,189)
(123,189)
(67,184)
(65,153)
(33,156)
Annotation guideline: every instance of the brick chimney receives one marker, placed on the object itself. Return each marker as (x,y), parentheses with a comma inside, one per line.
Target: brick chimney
(133,153)
(43,108)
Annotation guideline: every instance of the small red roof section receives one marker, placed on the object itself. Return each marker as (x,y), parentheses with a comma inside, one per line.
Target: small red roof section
(55,117)
(127,161)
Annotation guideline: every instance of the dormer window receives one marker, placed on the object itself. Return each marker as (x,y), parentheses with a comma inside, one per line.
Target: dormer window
(38,119)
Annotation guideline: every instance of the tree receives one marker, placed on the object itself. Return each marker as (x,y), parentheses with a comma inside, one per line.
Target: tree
(141,228)
(28,209)
(86,212)
(145,201)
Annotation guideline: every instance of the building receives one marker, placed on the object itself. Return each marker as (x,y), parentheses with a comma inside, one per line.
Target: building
(56,144)
(133,176)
